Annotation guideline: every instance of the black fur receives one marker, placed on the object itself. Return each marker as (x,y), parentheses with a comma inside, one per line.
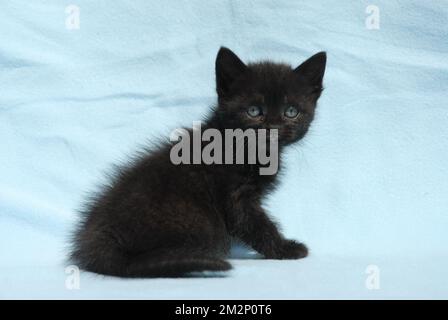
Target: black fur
(157,219)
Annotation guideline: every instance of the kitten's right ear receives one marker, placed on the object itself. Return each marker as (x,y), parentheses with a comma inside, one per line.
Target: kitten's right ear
(228,68)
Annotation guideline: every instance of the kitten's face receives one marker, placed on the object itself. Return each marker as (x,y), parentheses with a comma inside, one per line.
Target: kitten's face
(268,95)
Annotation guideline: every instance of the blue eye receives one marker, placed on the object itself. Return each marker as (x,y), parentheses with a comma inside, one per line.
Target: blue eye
(254,111)
(291,112)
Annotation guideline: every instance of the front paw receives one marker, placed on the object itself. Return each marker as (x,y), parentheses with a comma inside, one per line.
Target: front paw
(290,249)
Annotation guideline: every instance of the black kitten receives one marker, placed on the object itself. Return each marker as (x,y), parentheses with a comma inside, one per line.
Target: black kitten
(161,219)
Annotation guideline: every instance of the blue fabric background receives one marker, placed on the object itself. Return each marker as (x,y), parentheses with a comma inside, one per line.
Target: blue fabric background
(367,186)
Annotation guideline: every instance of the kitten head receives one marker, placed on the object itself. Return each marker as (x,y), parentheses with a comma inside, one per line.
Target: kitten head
(268,95)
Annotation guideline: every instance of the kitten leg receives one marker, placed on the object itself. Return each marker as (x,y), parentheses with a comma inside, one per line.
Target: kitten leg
(254,227)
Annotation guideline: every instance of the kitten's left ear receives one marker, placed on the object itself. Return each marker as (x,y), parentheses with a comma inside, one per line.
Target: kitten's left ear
(313,69)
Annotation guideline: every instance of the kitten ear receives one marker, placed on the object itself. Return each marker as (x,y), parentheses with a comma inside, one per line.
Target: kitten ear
(228,68)
(313,69)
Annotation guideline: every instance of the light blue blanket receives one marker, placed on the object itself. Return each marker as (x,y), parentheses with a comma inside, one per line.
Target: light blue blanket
(83,86)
